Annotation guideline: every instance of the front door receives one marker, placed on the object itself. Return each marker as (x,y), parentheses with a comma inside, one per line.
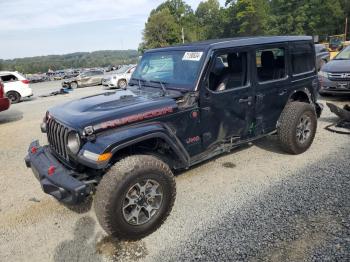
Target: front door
(227,99)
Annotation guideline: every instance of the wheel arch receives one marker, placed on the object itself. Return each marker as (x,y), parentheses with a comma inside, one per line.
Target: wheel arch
(154,139)
(302,95)
(157,144)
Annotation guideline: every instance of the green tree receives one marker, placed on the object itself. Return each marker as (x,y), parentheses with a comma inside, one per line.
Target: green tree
(210,19)
(313,17)
(161,30)
(248,17)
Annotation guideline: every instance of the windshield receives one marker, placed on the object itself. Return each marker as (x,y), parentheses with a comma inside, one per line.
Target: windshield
(172,68)
(122,70)
(344,55)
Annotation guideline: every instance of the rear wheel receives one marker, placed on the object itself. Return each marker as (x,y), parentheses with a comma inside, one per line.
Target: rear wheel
(135,197)
(297,127)
(14,96)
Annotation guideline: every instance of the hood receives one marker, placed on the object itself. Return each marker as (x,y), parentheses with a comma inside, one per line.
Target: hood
(107,107)
(337,66)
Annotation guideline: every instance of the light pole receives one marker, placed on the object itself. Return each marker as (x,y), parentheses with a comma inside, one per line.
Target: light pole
(182,30)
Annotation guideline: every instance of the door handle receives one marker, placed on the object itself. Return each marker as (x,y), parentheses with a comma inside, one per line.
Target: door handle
(248,100)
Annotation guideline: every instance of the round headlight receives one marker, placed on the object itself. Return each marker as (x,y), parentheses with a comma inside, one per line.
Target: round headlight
(73,142)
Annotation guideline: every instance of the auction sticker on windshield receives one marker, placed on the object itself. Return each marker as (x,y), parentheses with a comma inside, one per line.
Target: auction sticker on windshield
(192,56)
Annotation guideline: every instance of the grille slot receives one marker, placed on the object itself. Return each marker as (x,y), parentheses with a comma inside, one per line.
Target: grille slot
(57,136)
(340,76)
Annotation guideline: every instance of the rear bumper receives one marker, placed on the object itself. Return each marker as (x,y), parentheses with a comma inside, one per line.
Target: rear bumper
(4,104)
(27,92)
(60,183)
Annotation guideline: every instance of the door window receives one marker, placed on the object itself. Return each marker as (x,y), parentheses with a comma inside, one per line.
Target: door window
(228,72)
(302,58)
(8,78)
(270,64)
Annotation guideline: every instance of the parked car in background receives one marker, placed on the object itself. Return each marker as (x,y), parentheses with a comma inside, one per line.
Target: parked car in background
(335,76)
(120,78)
(87,78)
(4,101)
(16,86)
(322,55)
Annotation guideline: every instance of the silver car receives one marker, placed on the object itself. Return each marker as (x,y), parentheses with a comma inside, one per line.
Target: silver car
(88,78)
(120,78)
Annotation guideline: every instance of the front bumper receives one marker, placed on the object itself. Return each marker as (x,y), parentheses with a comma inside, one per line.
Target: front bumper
(108,83)
(334,86)
(59,183)
(65,84)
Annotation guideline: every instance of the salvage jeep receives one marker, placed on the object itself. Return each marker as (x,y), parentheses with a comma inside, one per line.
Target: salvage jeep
(183,105)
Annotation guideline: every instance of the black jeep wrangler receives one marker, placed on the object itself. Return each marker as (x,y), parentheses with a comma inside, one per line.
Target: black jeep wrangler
(184,104)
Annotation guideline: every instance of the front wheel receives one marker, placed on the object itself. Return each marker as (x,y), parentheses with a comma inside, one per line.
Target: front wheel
(297,127)
(122,84)
(135,197)
(73,85)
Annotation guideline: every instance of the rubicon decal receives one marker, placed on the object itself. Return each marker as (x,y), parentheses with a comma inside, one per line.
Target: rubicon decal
(133,118)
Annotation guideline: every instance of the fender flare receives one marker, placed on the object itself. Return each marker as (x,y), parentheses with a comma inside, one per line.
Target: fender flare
(305,91)
(130,135)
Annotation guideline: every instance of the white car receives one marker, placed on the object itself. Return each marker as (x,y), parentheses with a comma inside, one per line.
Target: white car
(120,78)
(16,86)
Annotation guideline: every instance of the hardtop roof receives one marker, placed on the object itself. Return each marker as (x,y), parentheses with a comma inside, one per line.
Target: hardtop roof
(233,42)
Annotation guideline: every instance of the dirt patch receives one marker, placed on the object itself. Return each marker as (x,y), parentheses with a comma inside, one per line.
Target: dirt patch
(117,250)
(229,165)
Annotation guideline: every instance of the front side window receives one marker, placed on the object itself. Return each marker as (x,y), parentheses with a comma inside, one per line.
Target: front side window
(174,68)
(270,64)
(302,58)
(228,72)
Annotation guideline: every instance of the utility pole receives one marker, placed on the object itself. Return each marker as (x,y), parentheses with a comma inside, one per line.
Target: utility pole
(183,35)
(346,27)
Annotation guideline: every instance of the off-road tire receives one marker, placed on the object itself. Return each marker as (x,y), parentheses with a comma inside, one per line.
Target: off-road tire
(287,127)
(114,186)
(14,96)
(122,83)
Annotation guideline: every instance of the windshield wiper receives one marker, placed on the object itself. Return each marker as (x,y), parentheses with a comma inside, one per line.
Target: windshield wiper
(162,86)
(139,83)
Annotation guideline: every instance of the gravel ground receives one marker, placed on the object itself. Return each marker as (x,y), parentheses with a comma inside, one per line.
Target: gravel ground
(255,204)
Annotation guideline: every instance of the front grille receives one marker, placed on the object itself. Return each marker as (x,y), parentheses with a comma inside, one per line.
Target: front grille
(57,135)
(339,76)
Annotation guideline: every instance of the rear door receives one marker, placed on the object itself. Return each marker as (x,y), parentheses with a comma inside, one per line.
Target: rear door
(10,82)
(227,98)
(272,84)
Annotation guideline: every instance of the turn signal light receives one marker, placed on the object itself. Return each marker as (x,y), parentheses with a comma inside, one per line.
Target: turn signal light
(51,170)
(33,150)
(104,157)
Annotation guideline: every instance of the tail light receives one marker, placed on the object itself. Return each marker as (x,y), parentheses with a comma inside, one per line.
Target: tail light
(25,81)
(1,89)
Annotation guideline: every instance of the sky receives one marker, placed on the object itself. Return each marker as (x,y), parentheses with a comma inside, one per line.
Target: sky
(42,27)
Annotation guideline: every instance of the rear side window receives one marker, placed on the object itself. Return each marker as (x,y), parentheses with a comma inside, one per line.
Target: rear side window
(9,78)
(302,58)
(270,64)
